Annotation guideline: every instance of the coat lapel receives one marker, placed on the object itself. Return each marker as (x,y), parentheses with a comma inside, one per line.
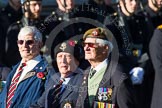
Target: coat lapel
(28,75)
(11,76)
(9,79)
(83,94)
(68,89)
(40,67)
(107,76)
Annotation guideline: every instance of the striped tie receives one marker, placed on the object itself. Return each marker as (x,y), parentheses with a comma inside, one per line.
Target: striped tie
(57,91)
(13,86)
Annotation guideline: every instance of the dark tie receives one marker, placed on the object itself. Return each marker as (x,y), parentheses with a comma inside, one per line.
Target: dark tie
(92,72)
(13,85)
(57,91)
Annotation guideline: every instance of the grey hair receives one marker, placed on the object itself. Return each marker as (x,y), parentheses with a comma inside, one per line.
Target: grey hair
(31,29)
(105,42)
(109,44)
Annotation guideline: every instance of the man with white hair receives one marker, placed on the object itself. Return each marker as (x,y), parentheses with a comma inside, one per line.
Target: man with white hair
(105,88)
(25,83)
(31,17)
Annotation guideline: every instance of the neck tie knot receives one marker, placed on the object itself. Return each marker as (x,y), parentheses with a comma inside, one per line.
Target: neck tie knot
(59,83)
(22,65)
(92,72)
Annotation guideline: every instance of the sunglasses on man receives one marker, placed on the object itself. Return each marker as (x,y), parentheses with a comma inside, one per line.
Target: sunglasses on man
(27,42)
(92,45)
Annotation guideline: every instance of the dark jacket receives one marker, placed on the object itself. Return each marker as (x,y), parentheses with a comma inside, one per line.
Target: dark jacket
(155,16)
(156,57)
(69,94)
(122,92)
(7,16)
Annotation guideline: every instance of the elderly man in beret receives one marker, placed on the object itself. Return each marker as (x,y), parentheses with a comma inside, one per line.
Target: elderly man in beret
(63,87)
(104,88)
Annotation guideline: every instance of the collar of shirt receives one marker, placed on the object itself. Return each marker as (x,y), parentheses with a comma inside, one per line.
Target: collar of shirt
(66,80)
(29,66)
(101,65)
(65,83)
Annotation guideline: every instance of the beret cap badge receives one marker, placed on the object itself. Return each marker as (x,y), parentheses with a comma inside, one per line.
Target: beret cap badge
(63,46)
(95,32)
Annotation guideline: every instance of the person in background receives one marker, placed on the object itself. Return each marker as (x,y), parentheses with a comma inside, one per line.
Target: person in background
(69,78)
(31,17)
(129,18)
(133,34)
(155,48)
(26,81)
(4,71)
(69,12)
(132,42)
(8,15)
(103,86)
(154,11)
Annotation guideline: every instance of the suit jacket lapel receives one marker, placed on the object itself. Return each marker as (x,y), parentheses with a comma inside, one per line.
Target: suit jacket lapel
(84,90)
(106,77)
(34,71)
(11,76)
(28,75)
(68,89)
(51,83)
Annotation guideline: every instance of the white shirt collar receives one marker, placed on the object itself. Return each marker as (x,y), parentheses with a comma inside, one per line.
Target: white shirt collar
(66,80)
(101,65)
(29,66)
(34,60)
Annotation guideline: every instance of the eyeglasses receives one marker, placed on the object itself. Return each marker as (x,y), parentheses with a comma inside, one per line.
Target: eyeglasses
(92,45)
(27,42)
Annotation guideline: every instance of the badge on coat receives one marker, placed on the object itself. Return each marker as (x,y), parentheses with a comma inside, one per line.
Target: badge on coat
(105,94)
(103,105)
(67,105)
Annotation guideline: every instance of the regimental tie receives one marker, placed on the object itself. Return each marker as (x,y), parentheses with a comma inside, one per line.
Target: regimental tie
(57,91)
(92,72)
(13,86)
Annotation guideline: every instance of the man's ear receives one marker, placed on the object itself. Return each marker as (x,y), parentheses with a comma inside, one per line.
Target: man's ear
(106,48)
(25,7)
(121,2)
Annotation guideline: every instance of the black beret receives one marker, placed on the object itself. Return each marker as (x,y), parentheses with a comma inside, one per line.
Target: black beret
(67,46)
(73,47)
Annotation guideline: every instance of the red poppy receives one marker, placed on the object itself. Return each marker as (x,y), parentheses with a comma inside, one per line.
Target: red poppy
(72,43)
(40,75)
